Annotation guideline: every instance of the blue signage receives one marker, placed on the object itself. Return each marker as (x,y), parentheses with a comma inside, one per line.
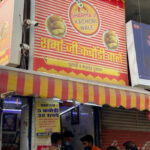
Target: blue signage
(142,47)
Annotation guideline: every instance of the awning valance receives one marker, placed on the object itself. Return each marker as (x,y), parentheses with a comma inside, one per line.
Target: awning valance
(24,83)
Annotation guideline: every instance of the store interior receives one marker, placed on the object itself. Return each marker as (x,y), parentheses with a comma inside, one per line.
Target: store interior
(77,118)
(14,123)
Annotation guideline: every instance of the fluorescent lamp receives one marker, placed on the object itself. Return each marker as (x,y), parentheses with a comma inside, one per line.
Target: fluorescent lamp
(57,100)
(66,110)
(11,102)
(77,102)
(71,101)
(12,110)
(92,104)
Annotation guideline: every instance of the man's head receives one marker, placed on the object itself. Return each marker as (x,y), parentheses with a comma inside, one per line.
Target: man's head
(129,145)
(56,139)
(67,136)
(87,141)
(112,148)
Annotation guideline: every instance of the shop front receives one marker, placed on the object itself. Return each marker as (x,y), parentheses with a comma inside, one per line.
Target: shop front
(77,66)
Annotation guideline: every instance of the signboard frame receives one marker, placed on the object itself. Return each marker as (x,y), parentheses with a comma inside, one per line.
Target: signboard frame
(136,34)
(112,76)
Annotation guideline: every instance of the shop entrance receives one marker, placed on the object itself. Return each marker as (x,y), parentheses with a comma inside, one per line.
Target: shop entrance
(79,119)
(15,124)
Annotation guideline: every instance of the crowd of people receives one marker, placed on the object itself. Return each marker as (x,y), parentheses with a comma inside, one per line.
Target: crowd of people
(63,142)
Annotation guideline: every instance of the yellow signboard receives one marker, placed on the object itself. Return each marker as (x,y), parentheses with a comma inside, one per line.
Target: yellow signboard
(47,117)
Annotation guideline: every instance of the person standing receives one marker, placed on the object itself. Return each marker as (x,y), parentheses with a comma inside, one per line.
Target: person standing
(129,145)
(112,148)
(87,142)
(56,141)
(67,140)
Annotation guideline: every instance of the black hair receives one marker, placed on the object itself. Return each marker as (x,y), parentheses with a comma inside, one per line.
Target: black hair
(55,137)
(67,134)
(87,138)
(129,145)
(112,148)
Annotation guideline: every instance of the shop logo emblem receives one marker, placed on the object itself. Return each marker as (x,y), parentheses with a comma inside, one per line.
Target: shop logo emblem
(84,18)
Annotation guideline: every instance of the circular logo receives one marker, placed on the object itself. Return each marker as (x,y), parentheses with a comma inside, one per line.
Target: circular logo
(84,18)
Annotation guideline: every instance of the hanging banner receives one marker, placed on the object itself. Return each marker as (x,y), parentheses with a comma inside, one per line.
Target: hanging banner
(47,117)
(138,37)
(6,22)
(81,39)
(11,18)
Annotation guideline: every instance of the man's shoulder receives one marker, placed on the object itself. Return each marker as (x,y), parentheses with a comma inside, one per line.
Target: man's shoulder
(53,148)
(95,148)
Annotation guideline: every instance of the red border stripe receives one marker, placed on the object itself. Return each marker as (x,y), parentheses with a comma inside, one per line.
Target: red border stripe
(96,95)
(51,87)
(137,101)
(118,98)
(74,91)
(3,81)
(107,95)
(147,102)
(86,93)
(128,105)
(36,85)
(64,90)
(20,83)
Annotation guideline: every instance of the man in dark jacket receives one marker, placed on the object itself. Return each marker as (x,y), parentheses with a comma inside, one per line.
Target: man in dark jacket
(129,145)
(67,140)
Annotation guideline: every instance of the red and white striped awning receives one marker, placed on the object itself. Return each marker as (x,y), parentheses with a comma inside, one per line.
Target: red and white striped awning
(25,84)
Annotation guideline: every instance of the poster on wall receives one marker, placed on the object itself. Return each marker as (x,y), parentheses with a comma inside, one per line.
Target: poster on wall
(11,18)
(138,42)
(47,117)
(9,122)
(81,39)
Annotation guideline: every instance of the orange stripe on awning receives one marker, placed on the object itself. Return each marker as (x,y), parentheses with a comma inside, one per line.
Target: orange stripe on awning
(28,84)
(47,87)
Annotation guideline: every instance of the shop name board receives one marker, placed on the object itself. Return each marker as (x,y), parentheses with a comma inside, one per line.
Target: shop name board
(47,117)
(81,39)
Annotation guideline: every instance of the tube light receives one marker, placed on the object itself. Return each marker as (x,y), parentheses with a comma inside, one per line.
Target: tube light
(66,110)
(57,100)
(92,104)
(71,101)
(12,110)
(12,102)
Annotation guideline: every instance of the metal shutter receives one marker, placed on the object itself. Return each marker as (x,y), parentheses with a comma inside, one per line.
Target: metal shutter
(119,125)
